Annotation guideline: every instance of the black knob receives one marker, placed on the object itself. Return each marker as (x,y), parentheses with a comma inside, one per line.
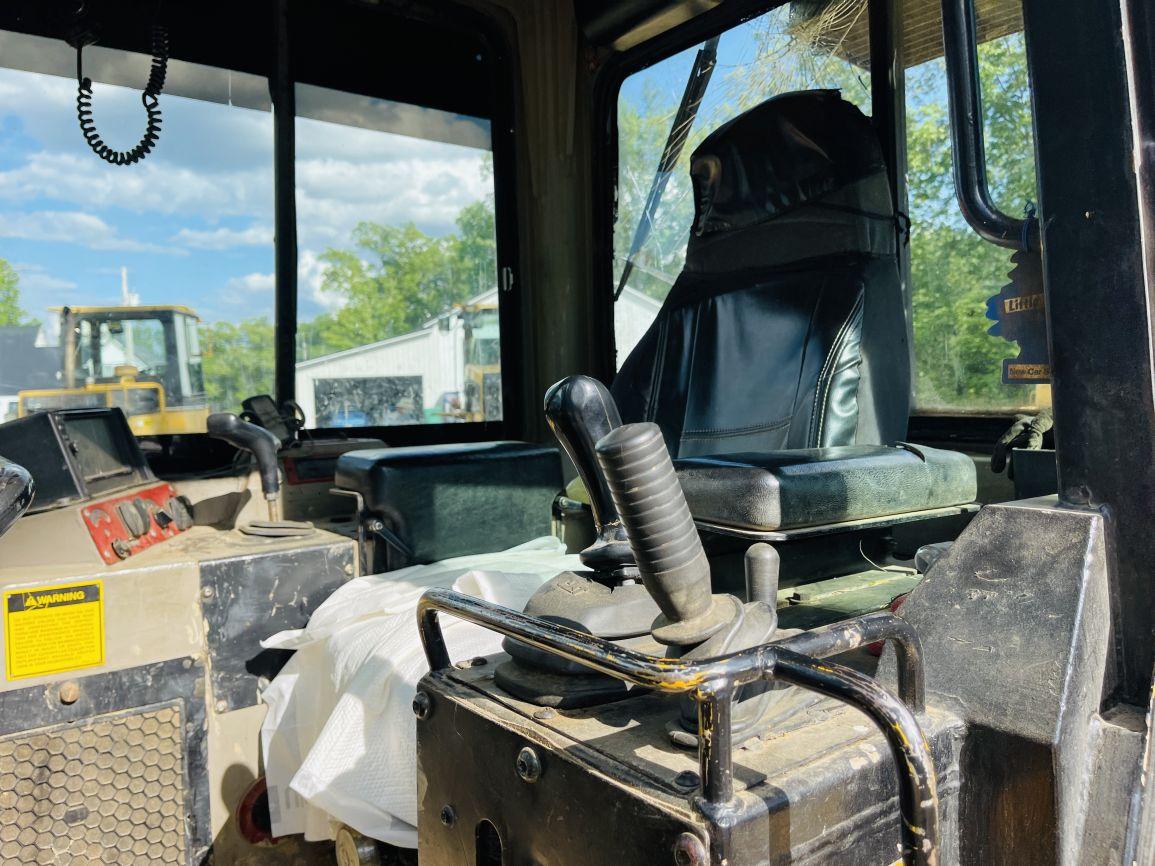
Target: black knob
(181,512)
(581,411)
(135,522)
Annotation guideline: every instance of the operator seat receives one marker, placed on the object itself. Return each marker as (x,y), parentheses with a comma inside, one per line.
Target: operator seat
(787,327)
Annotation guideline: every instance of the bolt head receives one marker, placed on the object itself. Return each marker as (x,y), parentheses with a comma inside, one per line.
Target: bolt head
(528,765)
(448,815)
(222,706)
(207,592)
(689,851)
(70,692)
(687,779)
(422,705)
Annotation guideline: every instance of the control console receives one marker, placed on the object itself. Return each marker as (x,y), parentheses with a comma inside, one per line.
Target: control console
(124,525)
(90,458)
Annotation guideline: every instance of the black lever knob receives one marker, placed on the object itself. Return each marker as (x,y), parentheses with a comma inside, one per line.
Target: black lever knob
(581,411)
(258,441)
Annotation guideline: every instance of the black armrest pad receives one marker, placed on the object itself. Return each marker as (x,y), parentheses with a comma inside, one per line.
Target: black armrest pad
(443,501)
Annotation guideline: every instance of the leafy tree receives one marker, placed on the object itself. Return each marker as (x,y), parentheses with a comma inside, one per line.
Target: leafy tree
(391,280)
(475,248)
(11,313)
(395,278)
(953,271)
(237,361)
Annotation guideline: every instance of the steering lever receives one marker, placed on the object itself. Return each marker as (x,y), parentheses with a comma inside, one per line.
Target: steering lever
(259,442)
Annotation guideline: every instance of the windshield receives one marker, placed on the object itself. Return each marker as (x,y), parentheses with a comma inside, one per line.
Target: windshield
(114,349)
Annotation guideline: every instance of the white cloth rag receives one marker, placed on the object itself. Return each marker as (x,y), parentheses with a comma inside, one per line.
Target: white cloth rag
(339,739)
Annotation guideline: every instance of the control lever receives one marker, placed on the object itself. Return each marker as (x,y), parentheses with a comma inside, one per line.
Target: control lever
(661,532)
(694,623)
(16,491)
(259,442)
(606,601)
(580,411)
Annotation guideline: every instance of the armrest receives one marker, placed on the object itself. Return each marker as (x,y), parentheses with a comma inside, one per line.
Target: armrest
(439,501)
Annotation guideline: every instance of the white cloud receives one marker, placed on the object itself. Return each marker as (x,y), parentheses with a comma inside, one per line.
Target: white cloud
(35,278)
(224,238)
(73,227)
(334,195)
(250,284)
(310,273)
(152,186)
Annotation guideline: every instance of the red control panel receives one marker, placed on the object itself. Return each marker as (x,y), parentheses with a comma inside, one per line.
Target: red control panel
(126,525)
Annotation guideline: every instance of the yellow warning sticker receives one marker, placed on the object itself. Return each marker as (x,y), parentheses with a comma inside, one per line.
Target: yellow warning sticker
(51,629)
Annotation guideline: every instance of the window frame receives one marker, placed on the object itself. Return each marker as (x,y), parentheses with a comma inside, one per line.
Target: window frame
(252,47)
(503,148)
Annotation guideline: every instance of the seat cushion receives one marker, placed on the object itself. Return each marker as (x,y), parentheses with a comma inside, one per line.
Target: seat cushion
(441,501)
(780,490)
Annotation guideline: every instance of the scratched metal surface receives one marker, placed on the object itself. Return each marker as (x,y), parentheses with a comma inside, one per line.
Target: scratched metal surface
(249,597)
(825,775)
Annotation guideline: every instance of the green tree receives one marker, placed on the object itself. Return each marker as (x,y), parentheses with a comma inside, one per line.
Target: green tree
(393,279)
(11,313)
(238,361)
(390,280)
(475,248)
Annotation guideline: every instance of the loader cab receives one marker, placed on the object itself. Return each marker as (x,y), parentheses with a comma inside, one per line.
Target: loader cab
(306,301)
(146,360)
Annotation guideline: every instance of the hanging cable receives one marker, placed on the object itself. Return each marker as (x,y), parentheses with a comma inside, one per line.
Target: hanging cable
(149,98)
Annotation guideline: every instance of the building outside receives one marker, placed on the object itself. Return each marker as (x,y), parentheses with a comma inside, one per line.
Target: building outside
(446,371)
(26,363)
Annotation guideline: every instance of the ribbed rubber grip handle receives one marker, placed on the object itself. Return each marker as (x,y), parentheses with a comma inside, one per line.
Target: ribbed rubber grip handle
(650,502)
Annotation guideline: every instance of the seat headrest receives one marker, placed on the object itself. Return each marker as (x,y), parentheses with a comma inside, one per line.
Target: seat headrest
(783,153)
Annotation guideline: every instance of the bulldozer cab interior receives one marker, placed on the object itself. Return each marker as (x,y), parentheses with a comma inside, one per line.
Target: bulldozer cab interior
(574,432)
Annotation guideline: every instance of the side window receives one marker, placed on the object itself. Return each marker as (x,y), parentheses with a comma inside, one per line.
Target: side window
(397,286)
(144,287)
(953,271)
(795,46)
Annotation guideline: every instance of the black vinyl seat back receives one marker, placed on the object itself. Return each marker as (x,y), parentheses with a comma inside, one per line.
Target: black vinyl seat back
(787,327)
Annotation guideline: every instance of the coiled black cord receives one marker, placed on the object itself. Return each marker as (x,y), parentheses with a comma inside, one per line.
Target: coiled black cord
(149,98)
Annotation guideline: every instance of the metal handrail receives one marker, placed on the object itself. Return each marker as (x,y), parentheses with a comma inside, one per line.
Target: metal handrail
(968,142)
(713,684)
(851,634)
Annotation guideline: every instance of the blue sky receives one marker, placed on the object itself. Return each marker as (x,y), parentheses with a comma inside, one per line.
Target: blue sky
(192,223)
